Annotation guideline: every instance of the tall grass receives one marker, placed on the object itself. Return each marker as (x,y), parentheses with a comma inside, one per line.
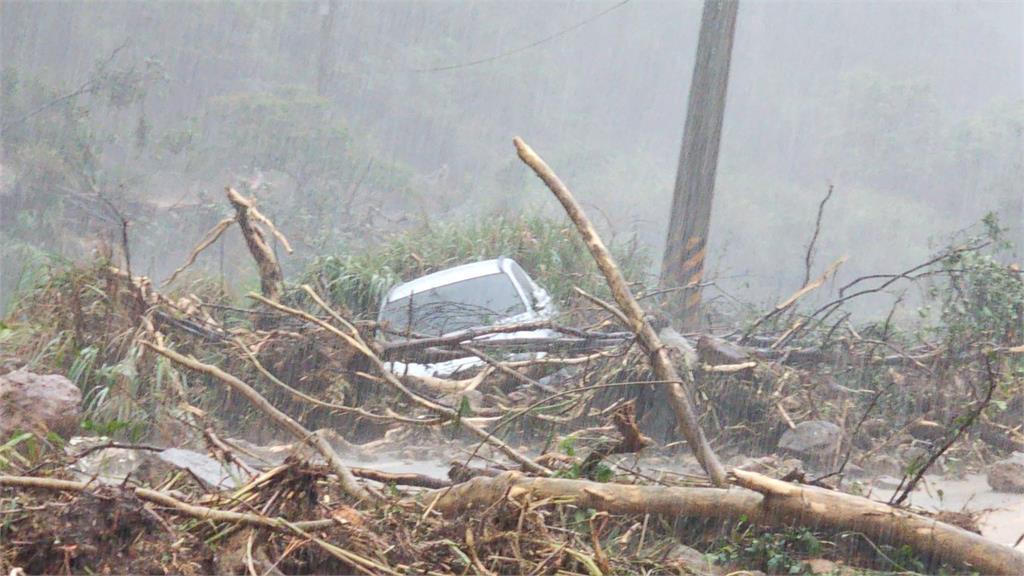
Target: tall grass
(550,250)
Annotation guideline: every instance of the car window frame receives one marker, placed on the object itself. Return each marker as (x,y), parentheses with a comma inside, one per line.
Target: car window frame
(509,267)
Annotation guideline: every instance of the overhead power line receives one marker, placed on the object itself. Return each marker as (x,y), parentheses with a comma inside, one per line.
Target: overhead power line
(534,44)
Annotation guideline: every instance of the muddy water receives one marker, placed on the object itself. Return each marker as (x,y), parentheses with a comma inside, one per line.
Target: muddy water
(425,467)
(1001,514)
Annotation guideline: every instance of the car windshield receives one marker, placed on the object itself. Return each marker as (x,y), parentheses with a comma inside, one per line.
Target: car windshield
(479,301)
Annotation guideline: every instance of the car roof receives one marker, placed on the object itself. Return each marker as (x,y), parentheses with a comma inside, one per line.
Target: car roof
(445,277)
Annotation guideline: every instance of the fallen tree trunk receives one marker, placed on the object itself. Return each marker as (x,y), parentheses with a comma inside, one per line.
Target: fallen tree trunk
(760,499)
(678,394)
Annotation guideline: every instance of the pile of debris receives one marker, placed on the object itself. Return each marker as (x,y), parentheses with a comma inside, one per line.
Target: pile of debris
(776,405)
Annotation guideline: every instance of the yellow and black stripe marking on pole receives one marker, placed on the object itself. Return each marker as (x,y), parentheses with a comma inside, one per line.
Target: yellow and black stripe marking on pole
(692,273)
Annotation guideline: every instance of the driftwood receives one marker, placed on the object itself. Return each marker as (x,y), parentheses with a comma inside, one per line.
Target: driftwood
(678,395)
(353,339)
(212,514)
(156,497)
(760,499)
(345,477)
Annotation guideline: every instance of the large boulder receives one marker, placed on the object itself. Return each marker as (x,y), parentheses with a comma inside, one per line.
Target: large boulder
(815,440)
(1008,475)
(39,403)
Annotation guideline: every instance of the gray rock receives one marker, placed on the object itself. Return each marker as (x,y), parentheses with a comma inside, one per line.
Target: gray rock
(692,561)
(916,455)
(890,482)
(814,440)
(875,427)
(1007,475)
(854,471)
(39,403)
(884,465)
(560,378)
(106,465)
(212,472)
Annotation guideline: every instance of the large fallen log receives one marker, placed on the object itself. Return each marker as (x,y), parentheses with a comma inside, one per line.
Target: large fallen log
(678,394)
(759,499)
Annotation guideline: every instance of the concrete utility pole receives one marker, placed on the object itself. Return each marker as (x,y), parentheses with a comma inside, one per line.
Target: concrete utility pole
(683,262)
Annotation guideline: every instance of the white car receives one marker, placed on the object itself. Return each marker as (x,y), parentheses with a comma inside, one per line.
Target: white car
(478,295)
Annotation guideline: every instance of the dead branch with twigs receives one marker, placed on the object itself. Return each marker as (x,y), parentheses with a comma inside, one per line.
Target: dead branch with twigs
(678,395)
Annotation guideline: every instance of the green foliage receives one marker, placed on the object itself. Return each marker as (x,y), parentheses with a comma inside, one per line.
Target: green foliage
(599,473)
(775,552)
(905,558)
(9,450)
(549,250)
(981,299)
(132,430)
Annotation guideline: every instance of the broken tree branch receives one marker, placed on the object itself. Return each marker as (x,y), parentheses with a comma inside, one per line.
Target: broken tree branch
(345,477)
(156,497)
(809,257)
(356,341)
(248,218)
(807,288)
(329,405)
(211,236)
(456,338)
(910,480)
(658,356)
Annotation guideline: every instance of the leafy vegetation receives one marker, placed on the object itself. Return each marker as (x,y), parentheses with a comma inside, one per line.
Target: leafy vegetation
(775,552)
(548,249)
(982,297)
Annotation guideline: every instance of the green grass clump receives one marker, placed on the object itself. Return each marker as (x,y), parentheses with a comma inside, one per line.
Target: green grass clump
(549,250)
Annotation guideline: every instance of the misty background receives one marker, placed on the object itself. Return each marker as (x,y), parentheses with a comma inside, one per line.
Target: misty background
(351,121)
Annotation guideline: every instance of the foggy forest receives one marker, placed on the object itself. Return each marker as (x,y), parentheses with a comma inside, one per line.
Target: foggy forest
(704,287)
